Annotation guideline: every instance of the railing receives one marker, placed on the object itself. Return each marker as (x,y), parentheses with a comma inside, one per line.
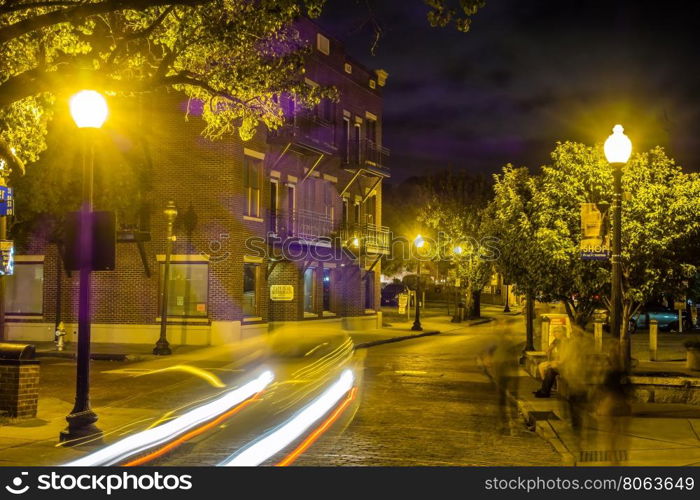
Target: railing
(369,237)
(310,130)
(368,154)
(304,224)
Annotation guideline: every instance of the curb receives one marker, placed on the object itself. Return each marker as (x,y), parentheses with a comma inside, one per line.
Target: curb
(95,355)
(365,345)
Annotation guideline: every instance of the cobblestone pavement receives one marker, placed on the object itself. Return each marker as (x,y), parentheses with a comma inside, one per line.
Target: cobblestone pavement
(427,402)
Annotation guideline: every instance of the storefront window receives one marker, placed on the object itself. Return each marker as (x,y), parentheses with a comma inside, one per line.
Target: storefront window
(188,289)
(24,289)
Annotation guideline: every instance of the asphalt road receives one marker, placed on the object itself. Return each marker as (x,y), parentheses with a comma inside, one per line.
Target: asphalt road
(427,402)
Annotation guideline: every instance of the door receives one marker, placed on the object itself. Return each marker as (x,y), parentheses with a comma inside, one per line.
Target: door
(326,289)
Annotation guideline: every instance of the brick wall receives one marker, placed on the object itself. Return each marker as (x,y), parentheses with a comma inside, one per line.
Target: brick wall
(19,388)
(208,176)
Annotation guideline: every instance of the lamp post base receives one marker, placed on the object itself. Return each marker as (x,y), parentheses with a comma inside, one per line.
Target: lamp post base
(162,348)
(417,327)
(81,429)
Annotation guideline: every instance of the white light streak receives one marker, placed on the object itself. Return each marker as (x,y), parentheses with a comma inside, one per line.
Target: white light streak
(267,446)
(149,438)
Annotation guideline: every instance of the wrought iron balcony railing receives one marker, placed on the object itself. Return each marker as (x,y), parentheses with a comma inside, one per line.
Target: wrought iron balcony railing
(367,237)
(309,130)
(367,154)
(304,224)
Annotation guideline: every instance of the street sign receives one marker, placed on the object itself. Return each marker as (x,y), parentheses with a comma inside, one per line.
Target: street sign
(7,201)
(7,257)
(679,306)
(595,237)
(281,293)
(403,302)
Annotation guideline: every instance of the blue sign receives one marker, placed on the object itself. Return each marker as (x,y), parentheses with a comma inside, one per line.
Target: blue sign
(7,201)
(595,255)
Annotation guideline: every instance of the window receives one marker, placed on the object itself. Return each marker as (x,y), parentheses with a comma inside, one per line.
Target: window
(372,84)
(345,146)
(371,130)
(348,68)
(323,44)
(24,290)
(357,213)
(356,140)
(188,288)
(346,212)
(252,178)
(326,110)
(250,284)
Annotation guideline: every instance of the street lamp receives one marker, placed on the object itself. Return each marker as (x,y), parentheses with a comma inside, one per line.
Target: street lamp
(89,111)
(162,347)
(618,149)
(418,242)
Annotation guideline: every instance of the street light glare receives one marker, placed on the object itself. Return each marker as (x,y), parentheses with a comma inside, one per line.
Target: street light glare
(88,109)
(618,146)
(419,241)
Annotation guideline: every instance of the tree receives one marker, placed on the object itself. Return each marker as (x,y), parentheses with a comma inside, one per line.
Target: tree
(659,222)
(511,220)
(455,211)
(236,56)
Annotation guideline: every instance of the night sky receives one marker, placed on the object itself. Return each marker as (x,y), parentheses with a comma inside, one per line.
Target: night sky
(528,74)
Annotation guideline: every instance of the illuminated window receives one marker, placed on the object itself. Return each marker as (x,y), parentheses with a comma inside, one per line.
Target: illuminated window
(348,68)
(24,289)
(323,44)
(252,179)
(188,288)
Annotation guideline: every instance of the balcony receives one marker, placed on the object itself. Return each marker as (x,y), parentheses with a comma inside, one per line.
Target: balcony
(308,130)
(303,224)
(370,155)
(367,238)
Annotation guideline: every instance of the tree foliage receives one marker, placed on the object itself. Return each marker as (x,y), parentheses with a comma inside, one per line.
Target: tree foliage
(455,211)
(537,219)
(236,56)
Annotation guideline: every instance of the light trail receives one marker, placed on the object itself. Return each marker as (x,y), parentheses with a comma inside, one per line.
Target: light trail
(311,439)
(271,444)
(144,440)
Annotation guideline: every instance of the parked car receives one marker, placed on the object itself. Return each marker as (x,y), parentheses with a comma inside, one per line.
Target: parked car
(390,293)
(667,318)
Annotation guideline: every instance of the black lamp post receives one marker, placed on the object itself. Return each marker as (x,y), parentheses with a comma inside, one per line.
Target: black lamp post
(419,242)
(89,111)
(162,347)
(506,309)
(618,149)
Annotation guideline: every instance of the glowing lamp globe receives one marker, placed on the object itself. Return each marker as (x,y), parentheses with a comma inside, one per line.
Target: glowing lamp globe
(88,109)
(419,241)
(618,146)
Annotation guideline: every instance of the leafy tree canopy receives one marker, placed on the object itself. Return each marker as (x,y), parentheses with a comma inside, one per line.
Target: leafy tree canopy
(237,56)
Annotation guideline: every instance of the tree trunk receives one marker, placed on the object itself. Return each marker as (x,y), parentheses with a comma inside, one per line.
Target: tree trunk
(529,321)
(476,304)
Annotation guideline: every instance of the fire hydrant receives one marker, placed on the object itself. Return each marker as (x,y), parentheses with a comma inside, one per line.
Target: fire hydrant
(58,336)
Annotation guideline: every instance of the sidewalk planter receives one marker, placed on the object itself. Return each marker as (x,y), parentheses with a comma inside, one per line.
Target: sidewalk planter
(693,355)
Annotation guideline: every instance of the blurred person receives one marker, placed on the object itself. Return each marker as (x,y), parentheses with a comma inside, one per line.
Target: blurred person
(549,370)
(612,410)
(501,360)
(575,362)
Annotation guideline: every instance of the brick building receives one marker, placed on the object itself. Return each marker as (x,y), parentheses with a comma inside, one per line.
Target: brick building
(283,228)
